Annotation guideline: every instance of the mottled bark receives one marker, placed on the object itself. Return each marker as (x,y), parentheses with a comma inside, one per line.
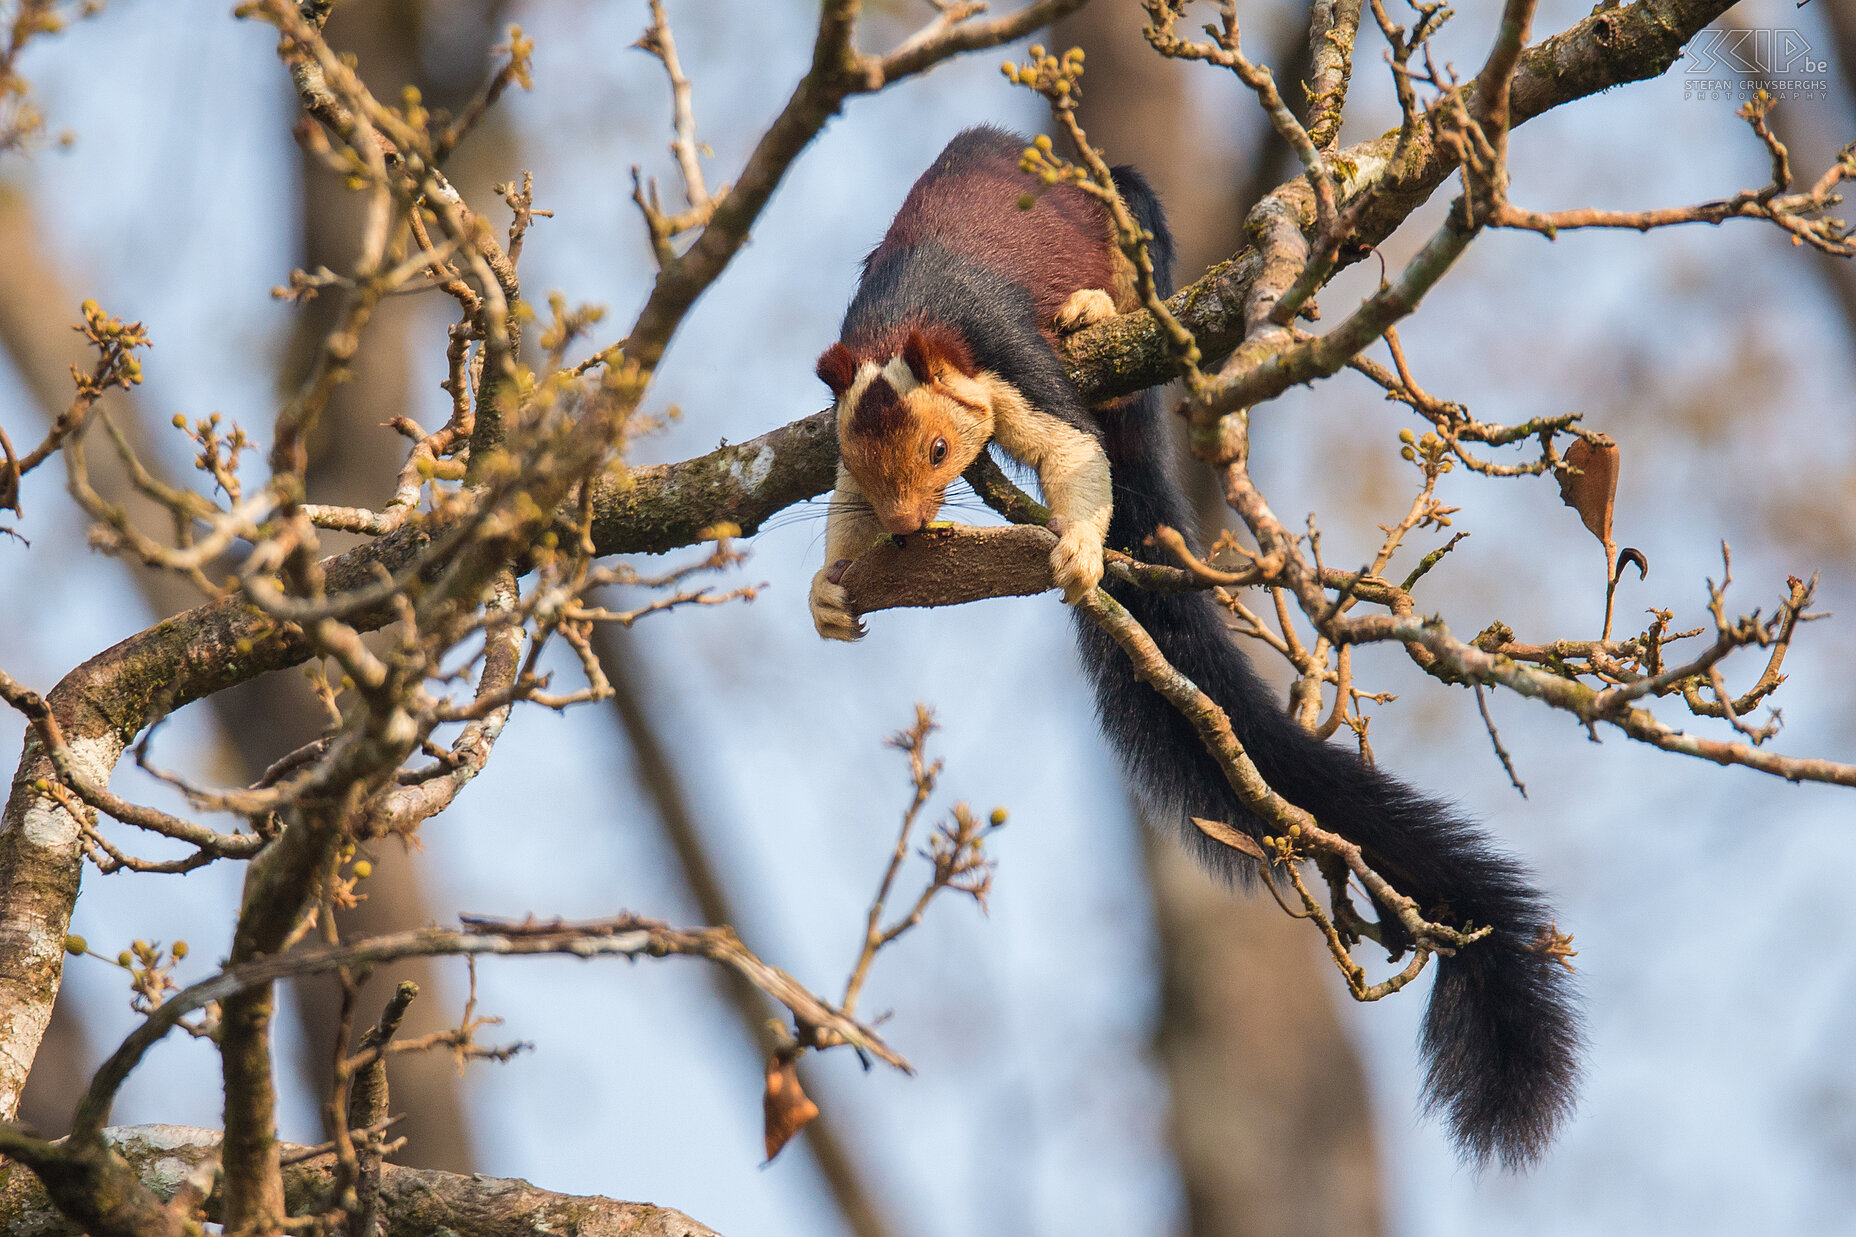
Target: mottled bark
(414,1202)
(60,1073)
(258,721)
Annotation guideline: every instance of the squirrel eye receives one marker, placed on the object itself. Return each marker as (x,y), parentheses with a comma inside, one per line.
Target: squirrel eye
(938,452)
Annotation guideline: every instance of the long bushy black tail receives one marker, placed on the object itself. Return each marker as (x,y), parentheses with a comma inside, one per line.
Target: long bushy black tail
(1501,1036)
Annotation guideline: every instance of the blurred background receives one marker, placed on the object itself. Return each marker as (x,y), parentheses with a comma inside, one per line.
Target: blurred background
(1118,1045)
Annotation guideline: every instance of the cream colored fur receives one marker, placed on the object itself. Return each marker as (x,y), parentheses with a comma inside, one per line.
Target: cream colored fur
(1085,308)
(1073,472)
(850,529)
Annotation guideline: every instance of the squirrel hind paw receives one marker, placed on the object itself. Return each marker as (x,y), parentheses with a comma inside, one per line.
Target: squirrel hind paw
(1085,308)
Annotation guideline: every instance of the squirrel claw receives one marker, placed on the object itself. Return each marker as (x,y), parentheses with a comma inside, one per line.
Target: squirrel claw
(831,605)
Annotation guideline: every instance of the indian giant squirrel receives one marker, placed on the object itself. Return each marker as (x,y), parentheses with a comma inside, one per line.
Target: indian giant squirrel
(951,342)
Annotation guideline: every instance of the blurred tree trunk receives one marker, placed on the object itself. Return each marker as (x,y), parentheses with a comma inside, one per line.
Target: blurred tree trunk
(59,1074)
(1814,132)
(37,309)
(1824,142)
(657,775)
(1271,1125)
(441,47)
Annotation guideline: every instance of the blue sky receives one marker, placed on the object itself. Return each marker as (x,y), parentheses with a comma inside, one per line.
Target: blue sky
(1707,903)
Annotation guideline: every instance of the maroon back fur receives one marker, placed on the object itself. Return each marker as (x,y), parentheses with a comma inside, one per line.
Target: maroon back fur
(968,201)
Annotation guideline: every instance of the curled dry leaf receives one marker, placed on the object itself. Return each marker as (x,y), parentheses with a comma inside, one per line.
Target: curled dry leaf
(786,1108)
(1592,490)
(1218,831)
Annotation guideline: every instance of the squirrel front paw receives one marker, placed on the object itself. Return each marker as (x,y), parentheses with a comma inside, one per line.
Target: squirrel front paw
(831,605)
(1084,308)
(1076,562)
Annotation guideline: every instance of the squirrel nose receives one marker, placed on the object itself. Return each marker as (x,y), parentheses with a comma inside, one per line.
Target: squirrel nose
(902,523)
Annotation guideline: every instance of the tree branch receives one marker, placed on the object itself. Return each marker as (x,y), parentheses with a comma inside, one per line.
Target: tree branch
(167,1158)
(1609,48)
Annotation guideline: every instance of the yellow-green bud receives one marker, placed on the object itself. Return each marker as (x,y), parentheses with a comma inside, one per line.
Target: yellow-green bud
(998,817)
(75,944)
(362,869)
(179,951)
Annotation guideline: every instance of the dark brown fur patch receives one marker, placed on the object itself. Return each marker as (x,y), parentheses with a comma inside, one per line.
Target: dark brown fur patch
(940,344)
(879,413)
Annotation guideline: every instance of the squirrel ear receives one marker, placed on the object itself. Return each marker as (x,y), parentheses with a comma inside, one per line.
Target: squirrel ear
(837,368)
(917,355)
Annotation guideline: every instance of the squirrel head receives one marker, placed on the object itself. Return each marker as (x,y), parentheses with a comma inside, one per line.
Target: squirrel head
(909,423)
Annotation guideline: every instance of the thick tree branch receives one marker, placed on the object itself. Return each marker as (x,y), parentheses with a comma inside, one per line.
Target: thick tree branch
(170,1158)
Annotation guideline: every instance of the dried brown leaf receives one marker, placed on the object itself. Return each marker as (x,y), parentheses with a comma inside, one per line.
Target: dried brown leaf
(1218,831)
(1592,490)
(786,1107)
